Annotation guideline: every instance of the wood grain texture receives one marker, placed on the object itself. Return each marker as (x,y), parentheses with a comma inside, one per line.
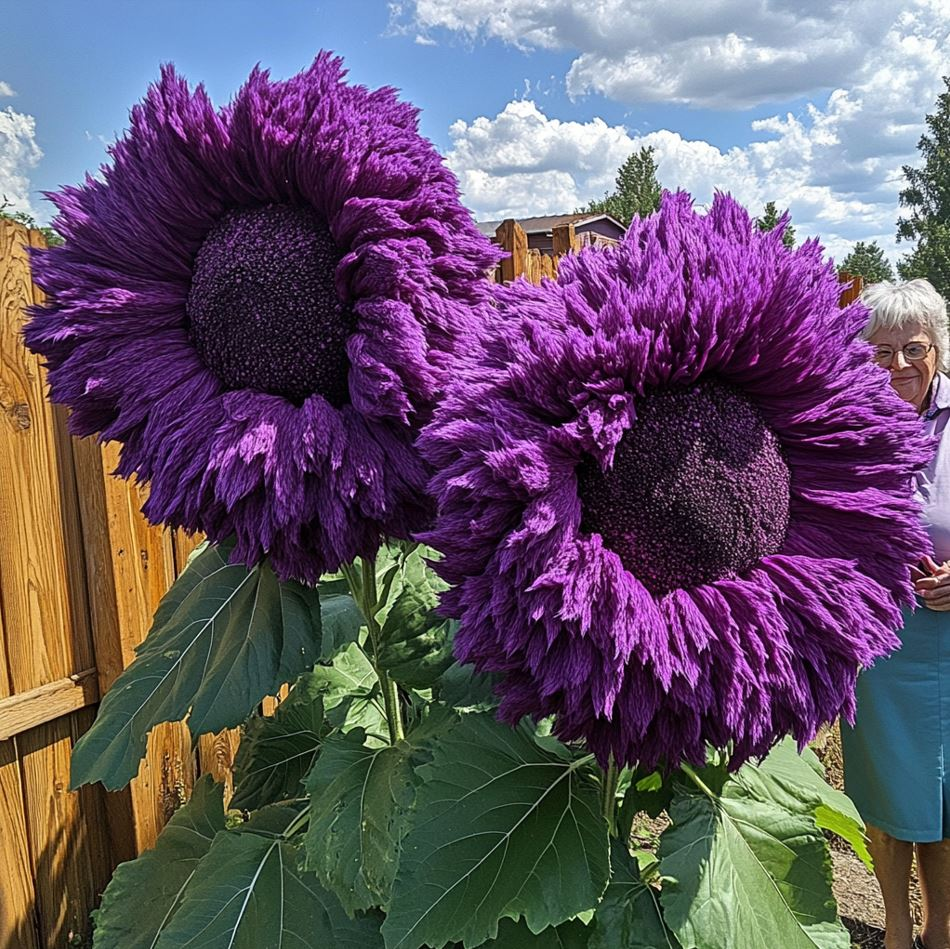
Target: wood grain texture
(44,636)
(130,565)
(45,703)
(511,237)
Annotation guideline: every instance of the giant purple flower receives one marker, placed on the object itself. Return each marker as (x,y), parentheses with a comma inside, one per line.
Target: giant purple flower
(674,494)
(259,301)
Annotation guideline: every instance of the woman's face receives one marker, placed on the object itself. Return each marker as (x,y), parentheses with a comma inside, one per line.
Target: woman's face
(910,378)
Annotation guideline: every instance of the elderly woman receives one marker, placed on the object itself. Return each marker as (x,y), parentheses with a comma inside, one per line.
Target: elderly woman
(897,756)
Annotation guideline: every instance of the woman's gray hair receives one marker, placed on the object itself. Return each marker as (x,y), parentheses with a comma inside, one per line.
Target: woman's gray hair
(893,305)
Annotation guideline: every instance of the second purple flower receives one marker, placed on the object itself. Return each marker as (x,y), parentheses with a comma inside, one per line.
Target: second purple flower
(674,495)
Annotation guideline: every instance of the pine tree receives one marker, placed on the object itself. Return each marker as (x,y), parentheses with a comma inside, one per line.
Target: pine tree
(927,196)
(637,191)
(770,220)
(867,260)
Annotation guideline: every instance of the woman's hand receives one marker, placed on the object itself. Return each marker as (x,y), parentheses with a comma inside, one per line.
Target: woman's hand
(934,588)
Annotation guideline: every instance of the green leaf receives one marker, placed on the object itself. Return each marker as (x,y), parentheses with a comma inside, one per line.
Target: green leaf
(629,914)
(277,751)
(249,893)
(223,638)
(649,792)
(340,617)
(797,783)
(127,921)
(743,874)
(415,645)
(349,688)
(515,935)
(358,799)
(462,687)
(501,827)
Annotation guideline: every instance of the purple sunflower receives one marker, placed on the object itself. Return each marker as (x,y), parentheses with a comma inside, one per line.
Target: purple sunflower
(674,494)
(259,302)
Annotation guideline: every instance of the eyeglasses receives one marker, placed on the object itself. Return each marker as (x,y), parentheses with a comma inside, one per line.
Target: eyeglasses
(913,352)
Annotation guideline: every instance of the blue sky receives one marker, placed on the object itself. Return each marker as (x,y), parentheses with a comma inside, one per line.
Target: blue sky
(534,109)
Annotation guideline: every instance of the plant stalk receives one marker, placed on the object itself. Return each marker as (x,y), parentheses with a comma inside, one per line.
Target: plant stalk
(365,593)
(611,777)
(697,780)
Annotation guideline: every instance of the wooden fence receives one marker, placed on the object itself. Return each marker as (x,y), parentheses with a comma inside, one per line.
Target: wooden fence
(532,264)
(81,573)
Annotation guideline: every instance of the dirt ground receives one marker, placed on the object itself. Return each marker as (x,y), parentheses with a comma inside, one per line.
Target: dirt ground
(856,890)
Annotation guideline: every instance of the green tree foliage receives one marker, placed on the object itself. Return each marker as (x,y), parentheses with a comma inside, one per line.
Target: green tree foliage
(637,190)
(27,220)
(867,260)
(770,220)
(927,197)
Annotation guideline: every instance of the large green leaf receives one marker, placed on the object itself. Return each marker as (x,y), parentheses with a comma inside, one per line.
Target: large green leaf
(340,617)
(797,782)
(349,688)
(277,751)
(359,796)
(740,873)
(127,921)
(250,893)
(629,915)
(501,827)
(461,687)
(223,638)
(415,644)
(515,935)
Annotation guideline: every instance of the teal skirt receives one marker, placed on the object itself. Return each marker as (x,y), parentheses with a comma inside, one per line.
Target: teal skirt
(895,756)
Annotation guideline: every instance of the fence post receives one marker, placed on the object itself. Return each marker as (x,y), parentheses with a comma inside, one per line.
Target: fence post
(855,284)
(512,239)
(563,240)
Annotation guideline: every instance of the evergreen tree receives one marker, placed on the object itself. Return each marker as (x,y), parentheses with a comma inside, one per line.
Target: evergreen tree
(867,260)
(770,220)
(637,190)
(927,197)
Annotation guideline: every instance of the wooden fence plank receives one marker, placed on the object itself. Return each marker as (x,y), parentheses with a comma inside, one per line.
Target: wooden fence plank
(43,634)
(852,290)
(512,238)
(130,565)
(17,896)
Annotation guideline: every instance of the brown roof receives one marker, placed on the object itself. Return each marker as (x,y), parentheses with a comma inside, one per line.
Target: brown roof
(544,225)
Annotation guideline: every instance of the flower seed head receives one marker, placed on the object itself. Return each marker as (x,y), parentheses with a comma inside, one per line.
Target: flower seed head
(263,309)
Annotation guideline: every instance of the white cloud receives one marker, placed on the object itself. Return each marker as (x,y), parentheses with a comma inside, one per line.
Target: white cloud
(19,154)
(720,54)
(6,90)
(837,164)
(522,162)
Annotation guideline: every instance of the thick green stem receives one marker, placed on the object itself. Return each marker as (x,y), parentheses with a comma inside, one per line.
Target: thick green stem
(364,592)
(611,777)
(697,780)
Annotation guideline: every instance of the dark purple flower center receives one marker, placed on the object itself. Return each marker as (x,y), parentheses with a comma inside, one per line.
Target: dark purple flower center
(698,490)
(263,308)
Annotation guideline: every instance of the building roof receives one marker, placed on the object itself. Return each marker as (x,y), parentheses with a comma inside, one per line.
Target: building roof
(544,225)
